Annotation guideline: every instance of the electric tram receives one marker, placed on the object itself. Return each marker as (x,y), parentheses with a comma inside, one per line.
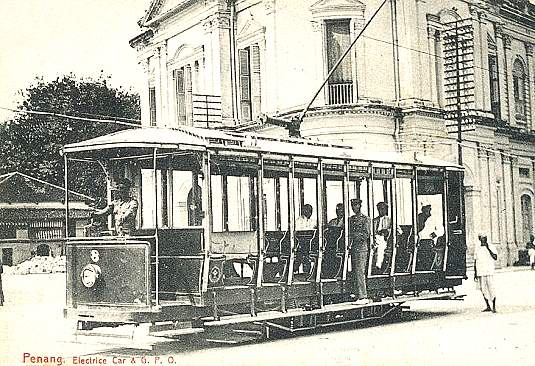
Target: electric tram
(218,240)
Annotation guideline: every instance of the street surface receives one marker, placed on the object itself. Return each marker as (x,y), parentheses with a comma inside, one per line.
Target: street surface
(430,333)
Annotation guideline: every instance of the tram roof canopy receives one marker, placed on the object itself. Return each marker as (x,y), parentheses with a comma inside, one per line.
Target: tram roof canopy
(185,138)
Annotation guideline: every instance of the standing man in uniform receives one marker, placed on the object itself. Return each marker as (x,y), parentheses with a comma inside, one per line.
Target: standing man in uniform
(123,207)
(359,236)
(485,255)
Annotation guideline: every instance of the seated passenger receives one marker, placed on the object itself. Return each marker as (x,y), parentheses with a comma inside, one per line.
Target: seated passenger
(382,226)
(305,221)
(338,221)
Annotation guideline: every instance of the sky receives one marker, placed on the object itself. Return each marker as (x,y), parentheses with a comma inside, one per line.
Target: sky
(51,38)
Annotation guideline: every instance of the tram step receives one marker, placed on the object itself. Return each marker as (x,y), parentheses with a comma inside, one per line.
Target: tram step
(172,333)
(232,336)
(271,315)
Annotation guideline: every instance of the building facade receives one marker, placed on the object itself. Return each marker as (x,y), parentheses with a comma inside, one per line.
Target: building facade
(423,77)
(32,217)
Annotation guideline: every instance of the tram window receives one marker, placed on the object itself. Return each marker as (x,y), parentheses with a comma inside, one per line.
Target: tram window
(283,200)
(239,203)
(430,217)
(270,204)
(181,185)
(404,202)
(404,219)
(359,189)
(305,194)
(334,195)
(276,203)
(217,203)
(150,203)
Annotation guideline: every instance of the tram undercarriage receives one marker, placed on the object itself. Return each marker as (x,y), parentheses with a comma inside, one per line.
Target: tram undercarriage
(230,328)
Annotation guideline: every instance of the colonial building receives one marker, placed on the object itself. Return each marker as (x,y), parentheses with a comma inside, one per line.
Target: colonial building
(32,217)
(452,78)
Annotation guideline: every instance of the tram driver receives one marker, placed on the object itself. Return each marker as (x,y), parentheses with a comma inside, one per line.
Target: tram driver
(123,208)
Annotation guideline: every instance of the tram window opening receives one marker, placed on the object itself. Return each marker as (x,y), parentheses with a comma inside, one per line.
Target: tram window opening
(382,225)
(430,226)
(239,203)
(217,203)
(404,219)
(178,198)
(270,204)
(150,202)
(358,188)
(334,195)
(305,194)
(283,200)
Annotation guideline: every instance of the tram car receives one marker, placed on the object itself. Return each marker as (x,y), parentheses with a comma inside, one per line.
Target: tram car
(220,236)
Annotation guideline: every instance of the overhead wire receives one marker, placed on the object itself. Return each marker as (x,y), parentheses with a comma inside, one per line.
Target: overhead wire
(61,115)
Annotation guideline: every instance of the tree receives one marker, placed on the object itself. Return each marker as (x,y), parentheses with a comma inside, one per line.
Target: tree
(32,143)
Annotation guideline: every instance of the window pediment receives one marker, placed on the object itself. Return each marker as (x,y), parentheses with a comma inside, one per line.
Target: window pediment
(251,31)
(186,54)
(332,9)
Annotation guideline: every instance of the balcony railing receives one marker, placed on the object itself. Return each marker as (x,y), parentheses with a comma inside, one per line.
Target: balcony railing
(206,110)
(340,93)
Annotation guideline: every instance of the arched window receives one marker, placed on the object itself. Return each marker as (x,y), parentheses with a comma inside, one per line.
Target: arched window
(519,90)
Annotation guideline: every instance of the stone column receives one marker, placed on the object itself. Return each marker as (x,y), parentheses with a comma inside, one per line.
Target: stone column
(271,85)
(222,21)
(164,98)
(485,223)
(530,80)
(358,54)
(478,74)
(502,74)
(158,84)
(432,34)
(485,73)
(144,97)
(508,74)
(208,60)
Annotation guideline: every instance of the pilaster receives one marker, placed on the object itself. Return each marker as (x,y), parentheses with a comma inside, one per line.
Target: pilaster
(164,80)
(158,84)
(432,90)
(478,66)
(144,97)
(530,79)
(485,62)
(507,74)
(502,73)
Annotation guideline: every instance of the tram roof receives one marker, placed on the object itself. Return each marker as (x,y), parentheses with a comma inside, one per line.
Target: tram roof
(201,138)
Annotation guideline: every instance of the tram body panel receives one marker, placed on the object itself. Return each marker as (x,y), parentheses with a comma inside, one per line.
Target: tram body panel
(107,273)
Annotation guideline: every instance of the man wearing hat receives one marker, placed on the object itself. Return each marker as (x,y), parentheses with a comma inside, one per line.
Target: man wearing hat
(359,235)
(123,207)
(485,255)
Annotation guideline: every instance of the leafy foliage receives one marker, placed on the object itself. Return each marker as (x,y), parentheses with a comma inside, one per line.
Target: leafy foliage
(32,143)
